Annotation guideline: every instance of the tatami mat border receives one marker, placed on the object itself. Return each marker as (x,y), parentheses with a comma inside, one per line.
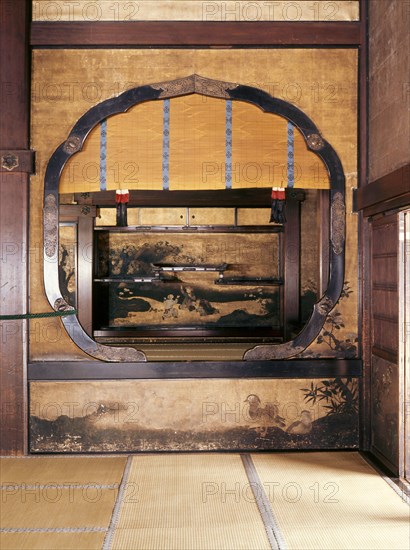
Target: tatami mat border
(395,483)
(8,486)
(117,507)
(38,456)
(271,525)
(54,530)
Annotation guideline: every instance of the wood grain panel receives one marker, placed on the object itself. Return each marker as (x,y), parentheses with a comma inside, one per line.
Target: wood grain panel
(179,33)
(14,135)
(385,412)
(97,370)
(385,231)
(14,120)
(384,303)
(384,288)
(24,161)
(13,333)
(392,186)
(384,298)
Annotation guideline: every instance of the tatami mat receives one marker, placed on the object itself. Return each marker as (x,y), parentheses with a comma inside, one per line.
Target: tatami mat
(51,541)
(319,500)
(54,508)
(189,502)
(57,502)
(62,470)
(333,501)
(201,537)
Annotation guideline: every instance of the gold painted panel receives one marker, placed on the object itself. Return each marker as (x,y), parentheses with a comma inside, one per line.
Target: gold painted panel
(197,143)
(259,147)
(211,414)
(195,10)
(108,217)
(182,216)
(197,153)
(339,336)
(82,173)
(260,152)
(212,216)
(67,262)
(322,82)
(181,296)
(134,148)
(254,216)
(310,171)
(162,216)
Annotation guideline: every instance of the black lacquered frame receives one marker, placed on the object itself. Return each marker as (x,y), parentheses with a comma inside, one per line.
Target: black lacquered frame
(213,88)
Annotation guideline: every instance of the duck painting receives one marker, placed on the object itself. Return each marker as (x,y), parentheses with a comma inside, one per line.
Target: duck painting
(267,415)
(302,426)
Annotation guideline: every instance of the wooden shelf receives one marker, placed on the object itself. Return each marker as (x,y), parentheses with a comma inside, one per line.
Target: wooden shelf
(257,281)
(192,228)
(187,334)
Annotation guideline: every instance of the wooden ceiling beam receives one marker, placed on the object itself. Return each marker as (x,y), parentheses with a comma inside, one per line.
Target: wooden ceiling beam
(196,33)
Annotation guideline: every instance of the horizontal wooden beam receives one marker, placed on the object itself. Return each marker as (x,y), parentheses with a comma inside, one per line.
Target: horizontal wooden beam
(71,212)
(196,33)
(97,370)
(17,160)
(387,193)
(246,198)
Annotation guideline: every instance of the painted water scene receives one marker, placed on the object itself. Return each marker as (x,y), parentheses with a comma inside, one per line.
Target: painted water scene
(206,279)
(148,415)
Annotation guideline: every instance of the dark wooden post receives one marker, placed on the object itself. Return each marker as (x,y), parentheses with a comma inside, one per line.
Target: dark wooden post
(15,166)
(323,223)
(291,298)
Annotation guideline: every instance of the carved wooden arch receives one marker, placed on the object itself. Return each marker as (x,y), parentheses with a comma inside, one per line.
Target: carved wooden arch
(213,88)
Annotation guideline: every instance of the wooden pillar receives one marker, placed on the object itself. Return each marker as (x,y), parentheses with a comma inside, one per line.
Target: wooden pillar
(323,225)
(14,180)
(291,298)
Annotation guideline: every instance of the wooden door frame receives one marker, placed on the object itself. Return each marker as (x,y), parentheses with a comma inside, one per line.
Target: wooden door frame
(15,168)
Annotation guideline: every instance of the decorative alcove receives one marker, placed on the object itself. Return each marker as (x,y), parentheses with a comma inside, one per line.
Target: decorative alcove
(289,339)
(66,82)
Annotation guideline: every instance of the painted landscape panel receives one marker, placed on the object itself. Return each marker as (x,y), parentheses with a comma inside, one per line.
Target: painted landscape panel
(186,415)
(186,280)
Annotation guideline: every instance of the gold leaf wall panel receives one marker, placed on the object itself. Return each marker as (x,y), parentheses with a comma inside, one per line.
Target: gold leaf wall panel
(322,82)
(310,172)
(82,173)
(339,336)
(193,10)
